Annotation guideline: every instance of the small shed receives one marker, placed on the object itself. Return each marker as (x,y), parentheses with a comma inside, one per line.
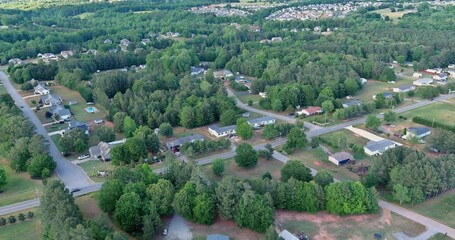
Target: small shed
(340,158)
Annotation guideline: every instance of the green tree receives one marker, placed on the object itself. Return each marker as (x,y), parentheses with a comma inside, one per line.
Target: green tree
(277,105)
(351,86)
(128,211)
(271,234)
(228,117)
(166,130)
(74,140)
(118,155)
(218,166)
(129,126)
(106,134)
(243,129)
(401,193)
(372,122)
(295,169)
(387,74)
(118,119)
(228,193)
(246,155)
(390,116)
(162,194)
(204,209)
(3,179)
(187,117)
(135,149)
(110,192)
(254,212)
(323,178)
(184,200)
(270,132)
(296,139)
(40,162)
(151,222)
(327,106)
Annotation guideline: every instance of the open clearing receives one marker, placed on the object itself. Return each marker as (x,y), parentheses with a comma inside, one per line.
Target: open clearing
(440,208)
(231,168)
(326,226)
(441,112)
(20,186)
(393,15)
(228,228)
(28,229)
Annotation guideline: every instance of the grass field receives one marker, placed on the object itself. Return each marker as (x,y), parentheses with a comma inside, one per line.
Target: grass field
(394,16)
(231,168)
(325,226)
(92,168)
(245,98)
(20,186)
(439,236)
(441,112)
(29,229)
(2,89)
(441,208)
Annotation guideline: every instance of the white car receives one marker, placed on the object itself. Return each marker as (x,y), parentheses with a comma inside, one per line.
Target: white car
(165,232)
(82,157)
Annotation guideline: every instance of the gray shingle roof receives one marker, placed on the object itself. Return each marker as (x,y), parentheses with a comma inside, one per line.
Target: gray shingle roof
(180,141)
(219,130)
(260,120)
(380,145)
(340,156)
(419,130)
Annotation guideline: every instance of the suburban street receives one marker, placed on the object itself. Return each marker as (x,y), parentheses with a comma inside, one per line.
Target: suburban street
(72,175)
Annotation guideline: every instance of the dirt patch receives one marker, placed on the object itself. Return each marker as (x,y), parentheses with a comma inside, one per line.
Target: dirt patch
(88,206)
(321,217)
(386,215)
(317,163)
(323,234)
(223,227)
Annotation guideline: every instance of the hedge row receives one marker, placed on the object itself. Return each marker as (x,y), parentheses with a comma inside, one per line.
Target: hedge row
(434,124)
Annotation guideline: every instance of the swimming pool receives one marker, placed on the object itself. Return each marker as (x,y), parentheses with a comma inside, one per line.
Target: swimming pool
(91,109)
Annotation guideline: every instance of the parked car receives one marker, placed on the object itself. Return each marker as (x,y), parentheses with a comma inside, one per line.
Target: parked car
(82,157)
(75,190)
(165,232)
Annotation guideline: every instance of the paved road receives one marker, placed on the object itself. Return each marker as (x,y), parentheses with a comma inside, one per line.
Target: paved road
(266,113)
(71,175)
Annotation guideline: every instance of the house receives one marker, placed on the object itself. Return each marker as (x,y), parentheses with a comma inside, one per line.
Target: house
(217,237)
(66,54)
(423,82)
(417,75)
(196,71)
(286,235)
(377,148)
(72,102)
(352,102)
(387,95)
(265,41)
(125,42)
(363,81)
(419,132)
(51,99)
(107,41)
(15,61)
(433,71)
(41,89)
(81,125)
(146,41)
(241,79)
(47,56)
(223,74)
(340,158)
(217,131)
(60,113)
(101,151)
(263,94)
(176,143)
(441,77)
(404,88)
(259,122)
(276,39)
(309,111)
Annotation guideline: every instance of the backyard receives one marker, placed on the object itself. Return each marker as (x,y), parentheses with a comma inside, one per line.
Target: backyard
(20,186)
(28,229)
(231,168)
(325,226)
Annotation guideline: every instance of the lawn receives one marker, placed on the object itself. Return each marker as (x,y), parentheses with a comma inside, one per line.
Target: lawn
(2,89)
(441,208)
(29,229)
(92,167)
(439,236)
(20,186)
(394,16)
(246,97)
(56,139)
(325,226)
(231,168)
(440,111)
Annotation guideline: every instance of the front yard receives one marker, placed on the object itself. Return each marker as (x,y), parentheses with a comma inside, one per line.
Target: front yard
(92,167)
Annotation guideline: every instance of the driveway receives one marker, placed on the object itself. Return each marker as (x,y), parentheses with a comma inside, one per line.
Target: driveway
(71,175)
(178,229)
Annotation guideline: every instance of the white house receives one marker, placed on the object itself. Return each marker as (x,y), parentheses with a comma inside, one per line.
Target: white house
(15,61)
(419,132)
(66,54)
(423,82)
(309,111)
(352,102)
(41,89)
(223,74)
(340,158)
(286,235)
(125,42)
(217,131)
(258,122)
(417,75)
(404,88)
(60,113)
(377,148)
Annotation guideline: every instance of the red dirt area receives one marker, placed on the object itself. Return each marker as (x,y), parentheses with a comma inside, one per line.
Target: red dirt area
(317,163)
(109,124)
(223,227)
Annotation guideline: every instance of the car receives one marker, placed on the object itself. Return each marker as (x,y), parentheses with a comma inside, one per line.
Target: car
(21,106)
(291,114)
(431,99)
(75,190)
(392,82)
(165,232)
(82,157)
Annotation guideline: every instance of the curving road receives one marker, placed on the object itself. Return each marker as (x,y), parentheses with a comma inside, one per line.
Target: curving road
(71,175)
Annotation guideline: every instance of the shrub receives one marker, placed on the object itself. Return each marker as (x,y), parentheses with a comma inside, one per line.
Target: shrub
(433,124)
(2,221)
(21,217)
(11,219)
